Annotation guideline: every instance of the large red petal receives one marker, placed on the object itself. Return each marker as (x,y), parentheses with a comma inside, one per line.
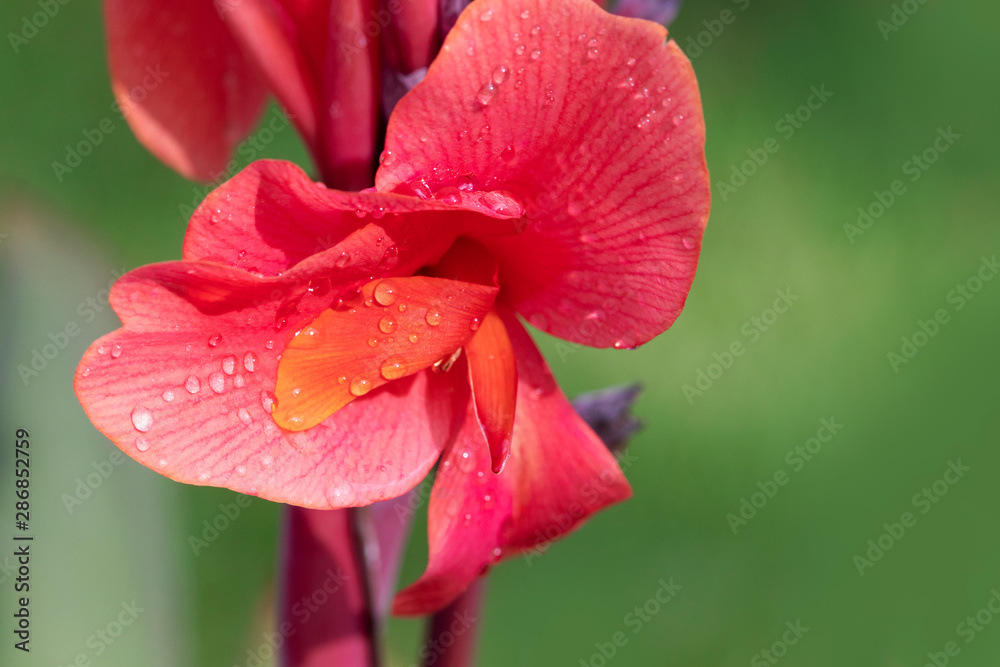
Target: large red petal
(271,216)
(181,82)
(392,329)
(468,509)
(559,473)
(185,387)
(562,471)
(595,123)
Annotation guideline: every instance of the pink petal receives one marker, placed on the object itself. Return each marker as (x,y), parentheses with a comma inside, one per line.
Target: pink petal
(182,82)
(271,216)
(468,508)
(562,471)
(185,387)
(594,123)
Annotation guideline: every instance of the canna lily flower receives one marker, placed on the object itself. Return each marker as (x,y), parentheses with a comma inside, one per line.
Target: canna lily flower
(327,349)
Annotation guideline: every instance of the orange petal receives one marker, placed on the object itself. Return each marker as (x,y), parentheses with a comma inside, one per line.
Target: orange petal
(493,376)
(394,327)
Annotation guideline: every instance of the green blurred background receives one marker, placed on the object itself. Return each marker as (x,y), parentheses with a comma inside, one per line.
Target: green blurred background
(781,228)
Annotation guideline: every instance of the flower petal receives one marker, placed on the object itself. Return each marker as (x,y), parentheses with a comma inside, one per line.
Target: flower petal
(594,122)
(271,216)
(185,387)
(493,378)
(181,82)
(562,471)
(392,329)
(468,509)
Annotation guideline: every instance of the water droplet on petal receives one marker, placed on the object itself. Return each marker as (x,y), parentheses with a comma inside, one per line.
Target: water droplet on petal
(141,444)
(116,351)
(387,324)
(229,364)
(193,385)
(217,381)
(392,369)
(486,94)
(643,123)
(521,48)
(630,62)
(536,54)
(500,74)
(214,340)
(678,119)
(360,386)
(474,324)
(267,401)
(385,293)
(525,14)
(466,463)
(433,317)
(239,381)
(413,338)
(343,260)
(373,342)
(536,31)
(486,16)
(244,416)
(688,242)
(269,344)
(142,419)
(168,395)
(102,350)
(342,379)
(296,391)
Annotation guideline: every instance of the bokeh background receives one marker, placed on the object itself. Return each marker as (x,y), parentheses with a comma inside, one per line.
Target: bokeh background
(854,296)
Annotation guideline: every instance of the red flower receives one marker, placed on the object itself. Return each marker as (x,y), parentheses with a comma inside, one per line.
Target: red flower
(326,349)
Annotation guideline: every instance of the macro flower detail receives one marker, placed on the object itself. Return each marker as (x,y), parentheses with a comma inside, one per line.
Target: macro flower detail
(326,348)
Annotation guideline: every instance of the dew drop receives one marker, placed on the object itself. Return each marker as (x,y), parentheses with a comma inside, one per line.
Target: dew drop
(392,369)
(85,372)
(507,154)
(192,384)
(386,158)
(373,342)
(413,338)
(229,365)
(486,16)
(630,62)
(342,379)
(500,74)
(387,324)
(214,340)
(269,344)
(250,362)
(433,317)
(592,54)
(141,444)
(466,463)
(525,14)
(688,242)
(643,122)
(385,293)
(678,119)
(474,324)
(343,260)
(217,381)
(239,381)
(102,350)
(402,307)
(486,94)
(244,416)
(360,386)
(116,351)
(536,54)
(521,48)
(296,392)
(267,401)
(142,419)
(168,395)
(536,30)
